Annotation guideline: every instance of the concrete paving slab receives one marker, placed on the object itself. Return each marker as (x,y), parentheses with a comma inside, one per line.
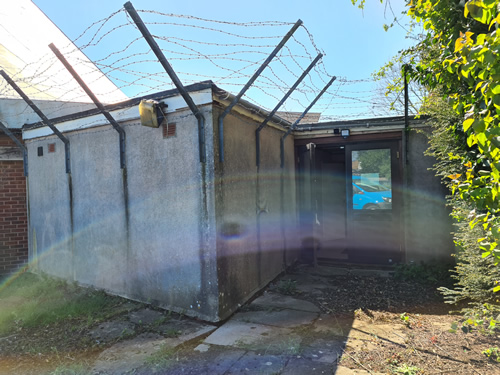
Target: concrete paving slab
(131,354)
(252,363)
(238,333)
(301,366)
(283,318)
(216,361)
(246,335)
(176,328)
(323,350)
(333,324)
(147,317)
(202,348)
(110,331)
(127,355)
(268,300)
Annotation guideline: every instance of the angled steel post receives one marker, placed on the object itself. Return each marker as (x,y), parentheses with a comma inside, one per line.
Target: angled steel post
(247,86)
(272,113)
(19,144)
(96,101)
(45,120)
(173,76)
(282,141)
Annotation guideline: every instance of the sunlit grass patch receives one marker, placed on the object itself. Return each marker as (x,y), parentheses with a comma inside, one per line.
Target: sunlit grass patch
(33,300)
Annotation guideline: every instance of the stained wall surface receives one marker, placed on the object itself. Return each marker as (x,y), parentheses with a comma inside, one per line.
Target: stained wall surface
(255,211)
(143,232)
(428,224)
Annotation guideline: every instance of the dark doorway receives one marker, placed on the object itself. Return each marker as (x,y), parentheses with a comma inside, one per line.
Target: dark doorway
(350,201)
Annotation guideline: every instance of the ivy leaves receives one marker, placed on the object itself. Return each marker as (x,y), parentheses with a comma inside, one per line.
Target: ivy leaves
(466,62)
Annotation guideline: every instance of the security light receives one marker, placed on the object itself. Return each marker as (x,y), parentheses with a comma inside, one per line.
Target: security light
(151,113)
(344,133)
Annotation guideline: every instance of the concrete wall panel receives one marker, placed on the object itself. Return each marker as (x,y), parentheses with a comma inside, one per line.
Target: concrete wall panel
(158,248)
(50,237)
(250,229)
(427,223)
(99,209)
(171,260)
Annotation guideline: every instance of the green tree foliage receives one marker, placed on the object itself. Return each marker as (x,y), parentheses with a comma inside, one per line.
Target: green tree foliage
(459,55)
(376,161)
(457,59)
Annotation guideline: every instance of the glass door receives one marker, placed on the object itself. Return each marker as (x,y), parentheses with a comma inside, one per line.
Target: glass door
(373,225)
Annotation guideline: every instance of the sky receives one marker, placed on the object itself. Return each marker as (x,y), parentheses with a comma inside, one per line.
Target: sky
(354,41)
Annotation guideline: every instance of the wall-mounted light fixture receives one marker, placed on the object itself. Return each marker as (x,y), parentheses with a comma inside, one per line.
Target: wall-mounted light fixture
(345,133)
(151,113)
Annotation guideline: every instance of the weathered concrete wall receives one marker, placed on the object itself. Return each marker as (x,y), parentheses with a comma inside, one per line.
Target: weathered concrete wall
(250,226)
(427,221)
(50,228)
(147,234)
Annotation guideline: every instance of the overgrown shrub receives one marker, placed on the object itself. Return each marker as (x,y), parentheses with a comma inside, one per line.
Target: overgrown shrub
(474,275)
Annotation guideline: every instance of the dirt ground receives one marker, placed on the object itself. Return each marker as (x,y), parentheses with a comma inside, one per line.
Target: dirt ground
(388,327)
(420,325)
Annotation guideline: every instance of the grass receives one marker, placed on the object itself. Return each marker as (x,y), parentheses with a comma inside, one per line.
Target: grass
(163,358)
(33,301)
(72,369)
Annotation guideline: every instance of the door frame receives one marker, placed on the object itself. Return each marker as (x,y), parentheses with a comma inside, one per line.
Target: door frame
(393,139)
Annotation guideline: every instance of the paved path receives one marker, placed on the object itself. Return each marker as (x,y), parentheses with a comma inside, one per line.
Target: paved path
(275,334)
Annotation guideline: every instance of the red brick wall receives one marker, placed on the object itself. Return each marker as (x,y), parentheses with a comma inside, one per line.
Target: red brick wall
(13,214)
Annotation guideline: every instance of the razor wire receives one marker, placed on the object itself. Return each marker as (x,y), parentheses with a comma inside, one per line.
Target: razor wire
(199,49)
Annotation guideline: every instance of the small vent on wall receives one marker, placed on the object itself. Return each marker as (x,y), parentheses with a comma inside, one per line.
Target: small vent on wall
(169,130)
(52,147)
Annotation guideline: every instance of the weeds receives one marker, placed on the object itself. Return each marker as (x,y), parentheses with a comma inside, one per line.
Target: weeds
(32,301)
(163,358)
(405,319)
(72,369)
(492,353)
(288,287)
(404,369)
(431,274)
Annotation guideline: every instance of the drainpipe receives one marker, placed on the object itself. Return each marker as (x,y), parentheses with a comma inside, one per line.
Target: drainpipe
(173,76)
(96,101)
(257,153)
(115,125)
(203,225)
(56,131)
(45,120)
(273,112)
(404,151)
(282,156)
(247,86)
(292,128)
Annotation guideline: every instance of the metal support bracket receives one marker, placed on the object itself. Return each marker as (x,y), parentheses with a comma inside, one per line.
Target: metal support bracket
(173,76)
(273,112)
(282,140)
(19,144)
(96,101)
(249,83)
(44,118)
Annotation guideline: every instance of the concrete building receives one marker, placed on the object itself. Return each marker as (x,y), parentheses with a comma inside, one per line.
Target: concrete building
(203,238)
(347,168)
(26,58)
(195,237)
